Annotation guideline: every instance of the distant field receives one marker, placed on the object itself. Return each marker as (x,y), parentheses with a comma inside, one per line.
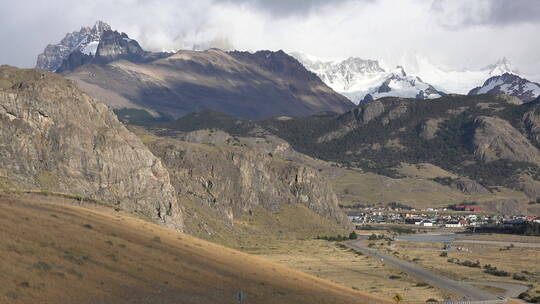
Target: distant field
(519,262)
(56,253)
(497,237)
(329,261)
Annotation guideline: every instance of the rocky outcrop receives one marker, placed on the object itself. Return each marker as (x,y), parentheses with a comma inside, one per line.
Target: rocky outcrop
(429,128)
(365,113)
(395,113)
(54,137)
(234,180)
(531,121)
(494,138)
(355,118)
(467,186)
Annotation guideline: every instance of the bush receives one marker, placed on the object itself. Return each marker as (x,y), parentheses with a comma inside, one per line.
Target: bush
(494,271)
(431,300)
(394,277)
(443,254)
(519,277)
(470,264)
(338,238)
(372,237)
(422,284)
(353,236)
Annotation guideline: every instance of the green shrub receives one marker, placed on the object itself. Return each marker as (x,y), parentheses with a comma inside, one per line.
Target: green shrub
(519,277)
(494,271)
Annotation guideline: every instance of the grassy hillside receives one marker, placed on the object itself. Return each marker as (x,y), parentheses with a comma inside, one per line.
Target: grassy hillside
(55,253)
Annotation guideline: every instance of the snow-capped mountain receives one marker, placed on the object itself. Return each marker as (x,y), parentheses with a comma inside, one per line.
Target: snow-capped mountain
(86,40)
(356,78)
(342,76)
(509,84)
(399,84)
(99,45)
(458,81)
(363,80)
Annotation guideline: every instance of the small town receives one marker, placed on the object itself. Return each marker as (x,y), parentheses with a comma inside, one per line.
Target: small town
(456,216)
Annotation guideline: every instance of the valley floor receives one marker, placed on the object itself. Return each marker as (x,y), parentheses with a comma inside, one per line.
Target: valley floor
(341,265)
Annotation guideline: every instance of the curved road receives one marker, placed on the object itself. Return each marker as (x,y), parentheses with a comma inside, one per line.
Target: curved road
(464,289)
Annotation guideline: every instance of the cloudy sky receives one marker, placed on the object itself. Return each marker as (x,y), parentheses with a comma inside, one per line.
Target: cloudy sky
(454,34)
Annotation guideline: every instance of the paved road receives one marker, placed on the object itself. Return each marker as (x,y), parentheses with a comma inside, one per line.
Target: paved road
(497,243)
(512,290)
(464,289)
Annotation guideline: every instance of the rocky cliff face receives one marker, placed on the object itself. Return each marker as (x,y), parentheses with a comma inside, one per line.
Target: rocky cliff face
(235,179)
(54,137)
(495,139)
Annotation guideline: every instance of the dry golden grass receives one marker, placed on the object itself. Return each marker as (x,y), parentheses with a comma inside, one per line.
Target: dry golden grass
(416,190)
(496,237)
(516,260)
(343,266)
(55,253)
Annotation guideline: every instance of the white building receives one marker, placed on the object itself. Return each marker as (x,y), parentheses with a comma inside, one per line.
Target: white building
(453,224)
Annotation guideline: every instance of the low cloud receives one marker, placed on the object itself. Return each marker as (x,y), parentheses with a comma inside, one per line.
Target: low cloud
(453,33)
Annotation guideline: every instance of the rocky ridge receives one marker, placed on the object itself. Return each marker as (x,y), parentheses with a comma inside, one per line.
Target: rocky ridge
(56,138)
(214,170)
(85,41)
(509,84)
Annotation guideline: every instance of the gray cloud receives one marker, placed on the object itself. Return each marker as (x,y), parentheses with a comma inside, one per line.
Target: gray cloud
(453,33)
(284,8)
(463,13)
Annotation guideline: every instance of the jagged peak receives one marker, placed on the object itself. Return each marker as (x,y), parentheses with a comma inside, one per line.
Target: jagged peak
(101,26)
(502,66)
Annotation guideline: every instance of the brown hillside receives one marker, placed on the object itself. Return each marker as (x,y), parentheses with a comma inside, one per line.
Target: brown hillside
(55,253)
(253,86)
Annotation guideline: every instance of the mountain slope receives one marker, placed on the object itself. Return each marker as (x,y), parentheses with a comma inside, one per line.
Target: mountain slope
(217,174)
(253,86)
(66,254)
(485,141)
(509,84)
(56,138)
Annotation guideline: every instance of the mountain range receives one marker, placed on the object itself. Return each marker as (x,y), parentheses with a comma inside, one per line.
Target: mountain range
(295,108)
(165,85)
(486,146)
(363,80)
(112,67)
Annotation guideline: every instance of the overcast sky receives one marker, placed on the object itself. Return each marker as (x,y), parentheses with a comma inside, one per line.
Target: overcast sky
(455,34)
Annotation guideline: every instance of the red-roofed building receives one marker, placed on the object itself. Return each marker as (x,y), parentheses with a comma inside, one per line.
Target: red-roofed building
(467,208)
